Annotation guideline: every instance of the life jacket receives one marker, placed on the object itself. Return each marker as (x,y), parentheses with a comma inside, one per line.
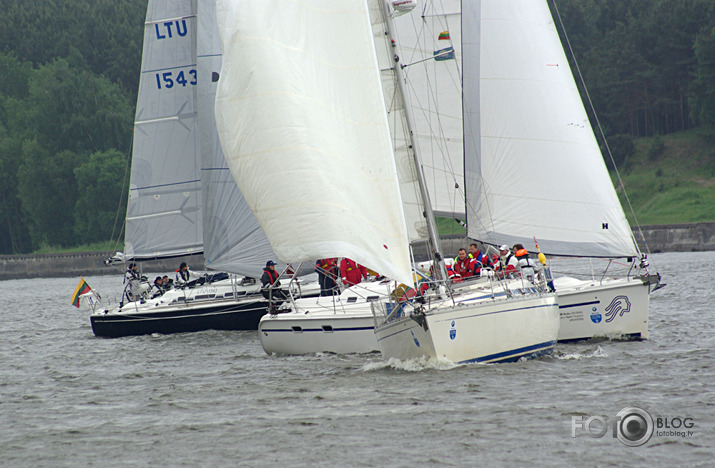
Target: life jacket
(466,267)
(456,259)
(326,265)
(525,263)
(183,275)
(353,271)
(270,275)
(523,254)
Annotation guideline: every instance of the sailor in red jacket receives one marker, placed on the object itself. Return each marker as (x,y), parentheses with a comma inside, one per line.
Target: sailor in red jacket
(352,273)
(465,266)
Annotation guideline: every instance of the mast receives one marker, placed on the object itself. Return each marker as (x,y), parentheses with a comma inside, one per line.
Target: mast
(427,206)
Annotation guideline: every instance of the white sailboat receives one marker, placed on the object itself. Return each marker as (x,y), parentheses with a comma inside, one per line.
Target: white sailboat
(315,111)
(524,127)
(344,323)
(182,198)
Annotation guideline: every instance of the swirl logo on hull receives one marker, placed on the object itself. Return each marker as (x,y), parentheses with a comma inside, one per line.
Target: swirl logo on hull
(618,306)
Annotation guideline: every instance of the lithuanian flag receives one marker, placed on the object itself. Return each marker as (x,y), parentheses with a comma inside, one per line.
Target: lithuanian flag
(82,288)
(443,36)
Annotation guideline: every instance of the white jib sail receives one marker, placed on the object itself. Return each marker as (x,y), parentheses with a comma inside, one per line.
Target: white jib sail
(233,240)
(302,123)
(532,164)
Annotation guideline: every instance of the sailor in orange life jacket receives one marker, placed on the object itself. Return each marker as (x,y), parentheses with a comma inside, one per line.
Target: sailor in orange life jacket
(527,265)
(327,273)
(465,266)
(270,277)
(352,273)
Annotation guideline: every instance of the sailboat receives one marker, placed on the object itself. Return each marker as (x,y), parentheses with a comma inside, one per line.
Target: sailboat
(344,323)
(182,199)
(315,111)
(525,127)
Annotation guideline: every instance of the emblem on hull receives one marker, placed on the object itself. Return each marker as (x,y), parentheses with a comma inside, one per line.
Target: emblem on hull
(415,338)
(618,306)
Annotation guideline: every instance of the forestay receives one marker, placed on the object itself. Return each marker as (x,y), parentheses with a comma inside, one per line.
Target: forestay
(532,163)
(233,240)
(164,207)
(302,122)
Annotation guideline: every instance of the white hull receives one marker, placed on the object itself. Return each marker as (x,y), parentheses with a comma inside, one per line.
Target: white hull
(340,324)
(297,333)
(615,308)
(498,330)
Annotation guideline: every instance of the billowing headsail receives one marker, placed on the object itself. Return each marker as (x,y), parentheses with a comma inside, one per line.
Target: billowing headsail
(301,119)
(164,208)
(233,240)
(533,167)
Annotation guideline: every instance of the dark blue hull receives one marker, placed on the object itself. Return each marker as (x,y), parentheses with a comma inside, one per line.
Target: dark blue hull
(226,315)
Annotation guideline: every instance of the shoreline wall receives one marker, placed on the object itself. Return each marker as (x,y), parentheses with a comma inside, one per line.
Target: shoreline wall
(695,237)
(84,264)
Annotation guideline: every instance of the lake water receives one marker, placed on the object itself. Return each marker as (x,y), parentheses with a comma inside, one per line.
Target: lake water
(216,399)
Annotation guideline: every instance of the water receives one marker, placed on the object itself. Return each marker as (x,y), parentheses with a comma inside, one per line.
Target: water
(216,399)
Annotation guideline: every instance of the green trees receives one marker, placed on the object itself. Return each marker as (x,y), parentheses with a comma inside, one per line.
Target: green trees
(648,65)
(69,72)
(68,77)
(702,99)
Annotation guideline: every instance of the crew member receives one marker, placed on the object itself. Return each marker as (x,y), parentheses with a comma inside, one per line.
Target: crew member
(270,283)
(465,266)
(507,262)
(352,273)
(526,264)
(327,274)
(182,274)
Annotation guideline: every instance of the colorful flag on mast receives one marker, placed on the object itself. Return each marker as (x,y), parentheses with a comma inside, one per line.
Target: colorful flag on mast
(82,288)
(443,36)
(443,54)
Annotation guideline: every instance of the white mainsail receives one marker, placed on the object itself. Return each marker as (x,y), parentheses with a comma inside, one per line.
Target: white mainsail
(164,208)
(533,167)
(233,240)
(302,123)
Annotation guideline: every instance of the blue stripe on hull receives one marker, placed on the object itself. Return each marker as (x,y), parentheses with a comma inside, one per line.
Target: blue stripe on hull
(578,305)
(318,329)
(513,355)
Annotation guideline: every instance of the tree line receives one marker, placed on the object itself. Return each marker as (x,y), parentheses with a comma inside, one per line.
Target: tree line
(69,72)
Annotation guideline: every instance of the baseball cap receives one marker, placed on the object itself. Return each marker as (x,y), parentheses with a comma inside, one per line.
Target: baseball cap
(504,247)
(269,263)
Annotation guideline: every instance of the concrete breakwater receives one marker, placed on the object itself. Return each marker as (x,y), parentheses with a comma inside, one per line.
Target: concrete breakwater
(60,265)
(695,237)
